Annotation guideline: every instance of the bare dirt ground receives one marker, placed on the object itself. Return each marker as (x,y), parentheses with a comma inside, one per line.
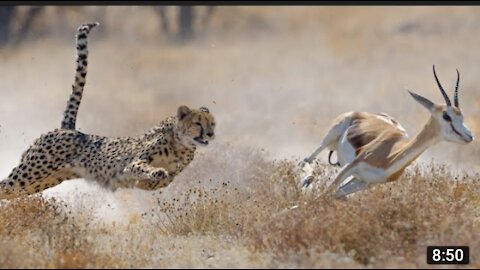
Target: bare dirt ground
(274,77)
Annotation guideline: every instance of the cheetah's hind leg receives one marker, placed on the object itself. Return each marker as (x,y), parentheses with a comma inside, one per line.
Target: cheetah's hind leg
(24,181)
(40,168)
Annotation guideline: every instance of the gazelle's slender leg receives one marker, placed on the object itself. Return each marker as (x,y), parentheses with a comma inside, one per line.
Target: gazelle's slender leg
(329,141)
(307,170)
(330,138)
(306,175)
(346,171)
(352,186)
(315,153)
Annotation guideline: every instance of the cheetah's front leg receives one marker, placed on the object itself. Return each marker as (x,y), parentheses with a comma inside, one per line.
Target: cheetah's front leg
(147,176)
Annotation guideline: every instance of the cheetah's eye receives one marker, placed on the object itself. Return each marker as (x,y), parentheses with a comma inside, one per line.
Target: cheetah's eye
(446,117)
(198,123)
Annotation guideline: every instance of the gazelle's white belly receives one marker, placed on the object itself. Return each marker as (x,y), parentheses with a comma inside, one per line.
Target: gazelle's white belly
(345,151)
(369,173)
(346,154)
(365,172)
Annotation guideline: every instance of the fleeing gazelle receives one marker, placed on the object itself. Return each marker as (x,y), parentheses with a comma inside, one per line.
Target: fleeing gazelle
(375,148)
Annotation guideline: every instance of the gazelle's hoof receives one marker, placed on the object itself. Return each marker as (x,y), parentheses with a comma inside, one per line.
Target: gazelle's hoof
(339,196)
(305,161)
(307,181)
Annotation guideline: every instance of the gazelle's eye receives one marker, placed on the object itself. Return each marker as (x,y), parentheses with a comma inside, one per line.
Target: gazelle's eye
(446,117)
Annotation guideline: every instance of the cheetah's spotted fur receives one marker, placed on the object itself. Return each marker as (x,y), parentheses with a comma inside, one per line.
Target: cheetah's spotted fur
(149,161)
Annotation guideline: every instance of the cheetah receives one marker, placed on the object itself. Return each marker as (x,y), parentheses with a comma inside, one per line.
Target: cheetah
(149,161)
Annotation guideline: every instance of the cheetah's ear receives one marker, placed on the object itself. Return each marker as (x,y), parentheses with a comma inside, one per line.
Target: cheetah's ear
(182,112)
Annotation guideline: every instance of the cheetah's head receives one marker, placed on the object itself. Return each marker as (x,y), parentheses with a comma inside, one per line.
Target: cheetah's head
(196,125)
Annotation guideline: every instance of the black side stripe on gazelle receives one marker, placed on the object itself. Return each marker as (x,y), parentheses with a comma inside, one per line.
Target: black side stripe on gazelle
(454,130)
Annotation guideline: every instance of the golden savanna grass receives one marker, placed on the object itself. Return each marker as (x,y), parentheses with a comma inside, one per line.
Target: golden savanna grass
(263,221)
(274,77)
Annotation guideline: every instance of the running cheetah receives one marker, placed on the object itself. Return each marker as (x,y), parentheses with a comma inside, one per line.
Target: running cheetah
(149,161)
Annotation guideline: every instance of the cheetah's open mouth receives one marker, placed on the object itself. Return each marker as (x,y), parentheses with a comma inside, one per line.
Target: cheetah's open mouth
(200,141)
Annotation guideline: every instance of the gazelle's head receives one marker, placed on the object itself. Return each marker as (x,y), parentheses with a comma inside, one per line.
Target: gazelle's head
(449,118)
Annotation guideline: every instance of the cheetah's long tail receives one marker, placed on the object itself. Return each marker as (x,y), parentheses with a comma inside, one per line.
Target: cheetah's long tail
(70,114)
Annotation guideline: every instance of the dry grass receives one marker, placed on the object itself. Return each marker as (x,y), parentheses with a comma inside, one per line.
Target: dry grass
(265,221)
(273,77)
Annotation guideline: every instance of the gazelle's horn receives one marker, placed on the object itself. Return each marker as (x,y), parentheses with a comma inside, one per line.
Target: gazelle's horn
(455,97)
(445,96)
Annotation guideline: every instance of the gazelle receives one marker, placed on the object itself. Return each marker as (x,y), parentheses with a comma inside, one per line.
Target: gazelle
(375,148)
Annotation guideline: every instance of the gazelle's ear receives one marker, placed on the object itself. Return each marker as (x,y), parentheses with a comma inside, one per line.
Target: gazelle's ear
(422,100)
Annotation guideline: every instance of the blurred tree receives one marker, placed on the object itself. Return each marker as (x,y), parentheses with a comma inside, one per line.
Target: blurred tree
(16,22)
(185,22)
(186,18)
(206,17)
(162,12)
(27,23)
(99,14)
(6,16)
